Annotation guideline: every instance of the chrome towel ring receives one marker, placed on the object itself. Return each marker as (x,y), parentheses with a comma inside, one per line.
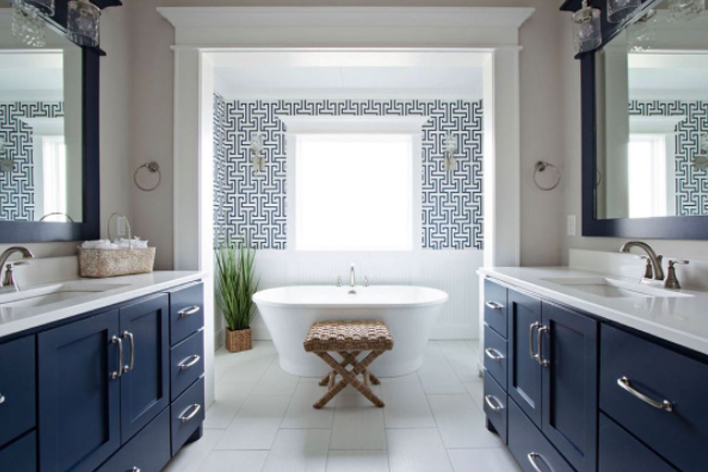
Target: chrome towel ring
(541,166)
(152,167)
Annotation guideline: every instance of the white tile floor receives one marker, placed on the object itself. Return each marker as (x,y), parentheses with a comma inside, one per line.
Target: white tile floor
(263,420)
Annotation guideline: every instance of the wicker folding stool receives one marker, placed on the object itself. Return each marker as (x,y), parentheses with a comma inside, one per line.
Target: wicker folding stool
(349,339)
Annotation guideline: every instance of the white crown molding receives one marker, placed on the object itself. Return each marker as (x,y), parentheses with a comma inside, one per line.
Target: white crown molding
(339,17)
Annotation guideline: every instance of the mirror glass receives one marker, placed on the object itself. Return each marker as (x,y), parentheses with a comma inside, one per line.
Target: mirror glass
(652,118)
(41,146)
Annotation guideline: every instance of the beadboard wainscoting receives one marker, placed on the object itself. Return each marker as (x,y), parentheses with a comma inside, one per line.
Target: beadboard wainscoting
(448,270)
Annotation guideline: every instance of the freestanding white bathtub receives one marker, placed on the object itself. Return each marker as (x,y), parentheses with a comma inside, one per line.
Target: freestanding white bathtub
(409,312)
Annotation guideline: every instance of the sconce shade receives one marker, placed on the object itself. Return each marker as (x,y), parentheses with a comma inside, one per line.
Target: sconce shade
(587,28)
(83,22)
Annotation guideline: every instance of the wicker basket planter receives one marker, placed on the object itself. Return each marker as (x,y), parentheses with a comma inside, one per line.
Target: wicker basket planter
(237,341)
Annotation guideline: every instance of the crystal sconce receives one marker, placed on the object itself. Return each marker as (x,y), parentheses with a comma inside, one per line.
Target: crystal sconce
(450,147)
(257,146)
(83,22)
(586,28)
(28,23)
(683,10)
(618,10)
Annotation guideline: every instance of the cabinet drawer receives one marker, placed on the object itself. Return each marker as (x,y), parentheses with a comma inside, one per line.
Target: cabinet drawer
(620,451)
(187,414)
(20,456)
(187,363)
(495,358)
(495,405)
(495,307)
(186,311)
(531,448)
(148,451)
(17,388)
(655,374)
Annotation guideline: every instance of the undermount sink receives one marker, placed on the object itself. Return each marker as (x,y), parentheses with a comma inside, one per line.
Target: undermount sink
(55,293)
(612,288)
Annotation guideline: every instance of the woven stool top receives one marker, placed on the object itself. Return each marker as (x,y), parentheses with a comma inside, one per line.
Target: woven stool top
(348,336)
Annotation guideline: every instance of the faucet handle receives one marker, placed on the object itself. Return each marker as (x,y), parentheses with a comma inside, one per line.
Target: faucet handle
(673,262)
(671,279)
(17,263)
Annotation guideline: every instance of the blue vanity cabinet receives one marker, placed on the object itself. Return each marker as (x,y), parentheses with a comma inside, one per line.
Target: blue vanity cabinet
(523,369)
(17,388)
(145,383)
(79,394)
(20,455)
(569,357)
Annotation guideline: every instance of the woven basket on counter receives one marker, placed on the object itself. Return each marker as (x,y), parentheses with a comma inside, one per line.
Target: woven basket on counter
(103,263)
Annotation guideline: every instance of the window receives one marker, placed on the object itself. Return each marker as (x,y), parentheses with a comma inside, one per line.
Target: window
(356,192)
(647,175)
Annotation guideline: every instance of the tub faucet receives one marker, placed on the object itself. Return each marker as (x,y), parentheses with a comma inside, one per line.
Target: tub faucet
(352,276)
(654,260)
(8,283)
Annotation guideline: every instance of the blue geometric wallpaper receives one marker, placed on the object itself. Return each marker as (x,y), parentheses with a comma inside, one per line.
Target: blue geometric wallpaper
(691,182)
(17,187)
(251,205)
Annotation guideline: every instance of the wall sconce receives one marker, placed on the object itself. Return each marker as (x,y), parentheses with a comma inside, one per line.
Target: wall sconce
(586,28)
(83,22)
(257,146)
(450,147)
(28,24)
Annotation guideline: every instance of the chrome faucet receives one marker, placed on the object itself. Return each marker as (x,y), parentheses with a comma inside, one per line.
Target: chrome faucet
(352,277)
(654,260)
(8,283)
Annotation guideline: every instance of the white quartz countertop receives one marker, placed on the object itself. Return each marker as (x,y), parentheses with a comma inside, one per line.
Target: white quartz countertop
(682,320)
(15,319)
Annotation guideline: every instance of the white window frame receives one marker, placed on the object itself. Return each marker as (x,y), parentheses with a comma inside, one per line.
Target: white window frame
(402,125)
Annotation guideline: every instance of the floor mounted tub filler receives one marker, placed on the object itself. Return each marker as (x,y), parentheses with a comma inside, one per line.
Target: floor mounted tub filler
(408,311)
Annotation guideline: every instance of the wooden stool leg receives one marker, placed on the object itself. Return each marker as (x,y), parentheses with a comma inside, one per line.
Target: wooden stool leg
(349,378)
(348,358)
(332,378)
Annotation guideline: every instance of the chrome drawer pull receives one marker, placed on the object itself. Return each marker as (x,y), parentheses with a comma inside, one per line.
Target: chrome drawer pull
(135,469)
(194,360)
(2,398)
(195,409)
(129,335)
(192,310)
(666,405)
(494,306)
(539,341)
(532,328)
(488,400)
(118,373)
(532,456)
(493,354)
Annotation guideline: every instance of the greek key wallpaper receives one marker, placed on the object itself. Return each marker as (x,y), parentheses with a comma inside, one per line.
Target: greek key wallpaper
(251,205)
(691,182)
(17,187)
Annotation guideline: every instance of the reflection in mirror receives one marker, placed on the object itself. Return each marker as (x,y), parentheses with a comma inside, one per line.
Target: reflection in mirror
(41,151)
(652,130)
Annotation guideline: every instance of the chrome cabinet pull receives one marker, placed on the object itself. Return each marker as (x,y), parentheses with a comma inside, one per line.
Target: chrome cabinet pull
(2,398)
(186,417)
(135,469)
(539,341)
(493,354)
(194,360)
(532,456)
(192,310)
(491,404)
(118,373)
(129,335)
(494,305)
(665,405)
(532,328)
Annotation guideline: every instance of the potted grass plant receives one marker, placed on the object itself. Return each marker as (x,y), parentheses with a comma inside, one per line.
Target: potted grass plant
(236,284)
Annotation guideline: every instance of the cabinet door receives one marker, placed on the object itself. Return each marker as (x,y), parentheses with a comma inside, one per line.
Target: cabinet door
(145,387)
(569,353)
(524,372)
(79,406)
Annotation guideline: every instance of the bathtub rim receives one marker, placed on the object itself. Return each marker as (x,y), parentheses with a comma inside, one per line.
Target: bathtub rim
(258,298)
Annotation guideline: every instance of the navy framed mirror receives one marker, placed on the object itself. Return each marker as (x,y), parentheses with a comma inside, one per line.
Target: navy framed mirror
(49,133)
(645,125)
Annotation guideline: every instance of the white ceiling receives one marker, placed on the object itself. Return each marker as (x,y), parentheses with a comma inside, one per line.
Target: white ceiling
(389,74)
(28,75)
(678,76)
